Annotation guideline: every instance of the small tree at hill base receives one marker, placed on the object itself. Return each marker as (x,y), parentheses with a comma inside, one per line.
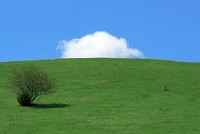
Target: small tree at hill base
(30,82)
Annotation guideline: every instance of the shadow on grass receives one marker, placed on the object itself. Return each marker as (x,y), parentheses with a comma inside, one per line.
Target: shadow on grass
(53,105)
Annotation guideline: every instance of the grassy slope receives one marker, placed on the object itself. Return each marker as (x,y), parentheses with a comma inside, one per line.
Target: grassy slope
(108,96)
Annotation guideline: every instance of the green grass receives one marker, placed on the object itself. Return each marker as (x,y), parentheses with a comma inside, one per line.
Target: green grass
(107,96)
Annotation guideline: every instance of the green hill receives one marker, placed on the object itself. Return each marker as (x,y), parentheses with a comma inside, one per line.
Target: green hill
(107,96)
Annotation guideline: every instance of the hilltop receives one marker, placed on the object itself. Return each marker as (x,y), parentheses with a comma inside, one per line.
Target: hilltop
(107,96)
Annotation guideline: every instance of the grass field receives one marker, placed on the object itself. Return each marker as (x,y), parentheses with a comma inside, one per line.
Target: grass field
(106,96)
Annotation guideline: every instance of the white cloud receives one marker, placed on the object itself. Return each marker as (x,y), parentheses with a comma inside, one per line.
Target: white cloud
(98,44)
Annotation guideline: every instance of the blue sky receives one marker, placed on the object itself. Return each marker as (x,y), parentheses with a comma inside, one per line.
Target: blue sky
(160,29)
